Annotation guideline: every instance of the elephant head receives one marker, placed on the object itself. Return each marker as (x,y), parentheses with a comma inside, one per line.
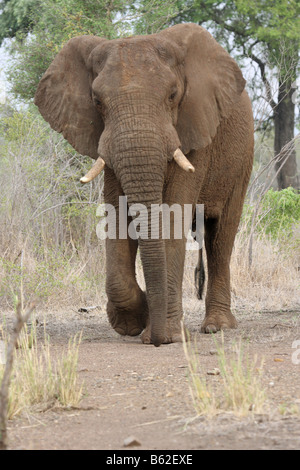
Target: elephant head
(134,105)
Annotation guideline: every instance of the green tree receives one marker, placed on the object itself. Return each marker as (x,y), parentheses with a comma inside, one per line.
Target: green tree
(267,32)
(41,32)
(151,16)
(15,16)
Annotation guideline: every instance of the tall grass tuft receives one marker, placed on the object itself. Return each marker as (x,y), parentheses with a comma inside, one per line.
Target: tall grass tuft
(39,380)
(204,399)
(238,386)
(241,379)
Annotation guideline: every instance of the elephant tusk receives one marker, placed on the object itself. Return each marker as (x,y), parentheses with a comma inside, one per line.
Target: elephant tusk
(183,162)
(94,171)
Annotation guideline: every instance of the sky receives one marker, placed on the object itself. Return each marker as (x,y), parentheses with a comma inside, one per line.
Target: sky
(3,85)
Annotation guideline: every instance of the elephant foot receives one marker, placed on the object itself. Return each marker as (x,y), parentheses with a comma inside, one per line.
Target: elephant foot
(216,322)
(126,321)
(173,334)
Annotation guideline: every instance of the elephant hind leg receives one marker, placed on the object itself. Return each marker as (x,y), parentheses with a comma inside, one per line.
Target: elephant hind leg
(218,243)
(219,239)
(200,276)
(199,273)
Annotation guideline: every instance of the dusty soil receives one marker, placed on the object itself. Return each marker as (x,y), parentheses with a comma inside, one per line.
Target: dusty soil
(137,390)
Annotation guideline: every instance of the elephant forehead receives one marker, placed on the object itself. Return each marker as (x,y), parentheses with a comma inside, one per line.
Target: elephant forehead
(137,53)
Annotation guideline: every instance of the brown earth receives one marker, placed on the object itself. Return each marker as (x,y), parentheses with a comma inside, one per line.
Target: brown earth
(137,390)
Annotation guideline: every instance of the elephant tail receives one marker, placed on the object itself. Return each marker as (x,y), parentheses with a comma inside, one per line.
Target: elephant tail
(200,276)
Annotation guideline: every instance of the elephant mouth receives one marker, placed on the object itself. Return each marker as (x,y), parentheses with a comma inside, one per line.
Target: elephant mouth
(99,165)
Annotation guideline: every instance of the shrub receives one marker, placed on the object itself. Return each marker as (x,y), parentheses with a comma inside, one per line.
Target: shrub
(278,215)
(47,218)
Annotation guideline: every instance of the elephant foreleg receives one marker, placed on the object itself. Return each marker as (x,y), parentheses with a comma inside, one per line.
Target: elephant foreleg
(175,253)
(127,307)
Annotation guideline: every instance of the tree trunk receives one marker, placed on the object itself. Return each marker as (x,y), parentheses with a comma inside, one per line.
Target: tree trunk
(284,121)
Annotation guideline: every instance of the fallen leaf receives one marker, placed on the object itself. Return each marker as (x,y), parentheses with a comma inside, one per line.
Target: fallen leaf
(213,352)
(214,371)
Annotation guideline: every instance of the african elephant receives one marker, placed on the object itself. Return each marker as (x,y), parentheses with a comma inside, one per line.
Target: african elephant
(168,117)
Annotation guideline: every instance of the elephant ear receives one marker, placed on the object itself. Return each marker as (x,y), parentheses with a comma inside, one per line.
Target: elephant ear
(64,99)
(214,83)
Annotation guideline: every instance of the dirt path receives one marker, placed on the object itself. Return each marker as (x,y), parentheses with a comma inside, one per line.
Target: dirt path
(142,391)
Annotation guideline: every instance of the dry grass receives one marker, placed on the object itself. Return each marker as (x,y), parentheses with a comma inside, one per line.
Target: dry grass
(47,219)
(238,388)
(38,379)
(271,283)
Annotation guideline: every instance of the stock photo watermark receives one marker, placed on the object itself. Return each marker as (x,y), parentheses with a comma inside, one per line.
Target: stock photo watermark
(160,221)
(296,353)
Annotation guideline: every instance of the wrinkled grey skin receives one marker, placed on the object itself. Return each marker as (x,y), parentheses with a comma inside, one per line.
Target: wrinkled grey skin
(135,101)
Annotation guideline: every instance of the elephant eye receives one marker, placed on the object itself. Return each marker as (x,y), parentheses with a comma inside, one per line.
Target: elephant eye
(173,95)
(97,101)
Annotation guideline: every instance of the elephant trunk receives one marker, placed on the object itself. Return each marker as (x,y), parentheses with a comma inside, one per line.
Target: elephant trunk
(154,264)
(141,173)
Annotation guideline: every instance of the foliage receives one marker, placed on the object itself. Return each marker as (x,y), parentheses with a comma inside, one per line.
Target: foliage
(29,60)
(278,216)
(282,212)
(151,16)
(59,18)
(270,23)
(16,16)
(53,24)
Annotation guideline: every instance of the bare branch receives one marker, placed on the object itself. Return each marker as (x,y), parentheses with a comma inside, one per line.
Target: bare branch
(281,158)
(262,68)
(217,17)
